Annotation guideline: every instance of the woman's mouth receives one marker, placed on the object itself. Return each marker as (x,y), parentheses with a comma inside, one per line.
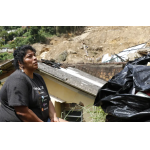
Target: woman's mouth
(35,63)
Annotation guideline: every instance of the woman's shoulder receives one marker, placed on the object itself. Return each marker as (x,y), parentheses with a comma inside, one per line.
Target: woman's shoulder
(18,74)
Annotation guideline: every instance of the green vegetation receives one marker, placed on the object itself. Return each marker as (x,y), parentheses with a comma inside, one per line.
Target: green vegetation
(96,114)
(15,36)
(6,56)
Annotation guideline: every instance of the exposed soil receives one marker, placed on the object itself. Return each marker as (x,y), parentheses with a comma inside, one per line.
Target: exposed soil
(93,43)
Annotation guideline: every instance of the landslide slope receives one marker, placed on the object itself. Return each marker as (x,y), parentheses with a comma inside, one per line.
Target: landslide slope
(93,43)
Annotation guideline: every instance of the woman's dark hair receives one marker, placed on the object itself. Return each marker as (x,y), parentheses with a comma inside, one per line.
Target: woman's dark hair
(19,54)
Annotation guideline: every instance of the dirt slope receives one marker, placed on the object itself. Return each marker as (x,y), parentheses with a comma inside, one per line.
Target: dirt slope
(91,45)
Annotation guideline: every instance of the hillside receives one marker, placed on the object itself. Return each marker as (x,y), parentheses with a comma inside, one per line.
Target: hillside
(98,40)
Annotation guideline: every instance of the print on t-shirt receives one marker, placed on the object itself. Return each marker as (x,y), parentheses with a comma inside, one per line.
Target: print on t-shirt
(43,99)
(43,102)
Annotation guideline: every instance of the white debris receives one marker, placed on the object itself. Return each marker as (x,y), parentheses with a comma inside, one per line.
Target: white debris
(124,54)
(106,58)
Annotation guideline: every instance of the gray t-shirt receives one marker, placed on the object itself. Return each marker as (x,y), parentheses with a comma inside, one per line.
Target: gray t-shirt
(21,90)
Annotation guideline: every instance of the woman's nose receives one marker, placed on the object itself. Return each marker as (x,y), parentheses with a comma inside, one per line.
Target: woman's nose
(34,57)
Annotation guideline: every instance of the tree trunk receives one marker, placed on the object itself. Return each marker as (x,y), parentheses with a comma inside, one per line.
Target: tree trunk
(57,29)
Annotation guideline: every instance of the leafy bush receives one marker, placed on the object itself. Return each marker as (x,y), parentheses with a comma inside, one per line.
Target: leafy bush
(26,34)
(5,46)
(49,30)
(96,113)
(12,45)
(11,27)
(33,34)
(6,56)
(20,41)
(11,36)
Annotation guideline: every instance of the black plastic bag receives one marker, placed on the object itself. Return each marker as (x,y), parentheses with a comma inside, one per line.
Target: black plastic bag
(117,97)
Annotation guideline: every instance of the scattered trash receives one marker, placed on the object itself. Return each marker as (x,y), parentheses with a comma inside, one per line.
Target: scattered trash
(125,97)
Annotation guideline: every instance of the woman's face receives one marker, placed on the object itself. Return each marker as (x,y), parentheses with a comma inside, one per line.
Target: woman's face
(30,61)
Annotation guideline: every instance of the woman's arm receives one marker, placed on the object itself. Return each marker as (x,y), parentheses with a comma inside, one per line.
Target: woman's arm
(52,112)
(26,114)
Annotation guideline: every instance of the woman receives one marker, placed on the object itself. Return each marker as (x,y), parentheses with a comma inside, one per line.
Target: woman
(24,96)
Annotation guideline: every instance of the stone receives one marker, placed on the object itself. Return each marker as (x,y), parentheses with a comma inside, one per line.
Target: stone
(133,56)
(43,55)
(70,51)
(40,48)
(144,51)
(62,56)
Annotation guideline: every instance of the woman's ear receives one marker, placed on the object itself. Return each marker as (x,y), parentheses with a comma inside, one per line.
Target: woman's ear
(20,64)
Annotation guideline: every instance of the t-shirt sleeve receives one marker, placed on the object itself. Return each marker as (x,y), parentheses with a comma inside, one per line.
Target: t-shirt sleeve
(18,93)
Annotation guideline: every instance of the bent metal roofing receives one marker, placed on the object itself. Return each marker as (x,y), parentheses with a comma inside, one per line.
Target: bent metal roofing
(71,76)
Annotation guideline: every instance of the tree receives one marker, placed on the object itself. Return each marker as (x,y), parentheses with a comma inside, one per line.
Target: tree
(32,34)
(3,33)
(67,29)
(11,27)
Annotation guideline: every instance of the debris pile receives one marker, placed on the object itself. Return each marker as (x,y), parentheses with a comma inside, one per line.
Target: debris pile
(126,97)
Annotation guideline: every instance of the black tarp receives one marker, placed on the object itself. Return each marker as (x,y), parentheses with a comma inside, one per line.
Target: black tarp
(117,96)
